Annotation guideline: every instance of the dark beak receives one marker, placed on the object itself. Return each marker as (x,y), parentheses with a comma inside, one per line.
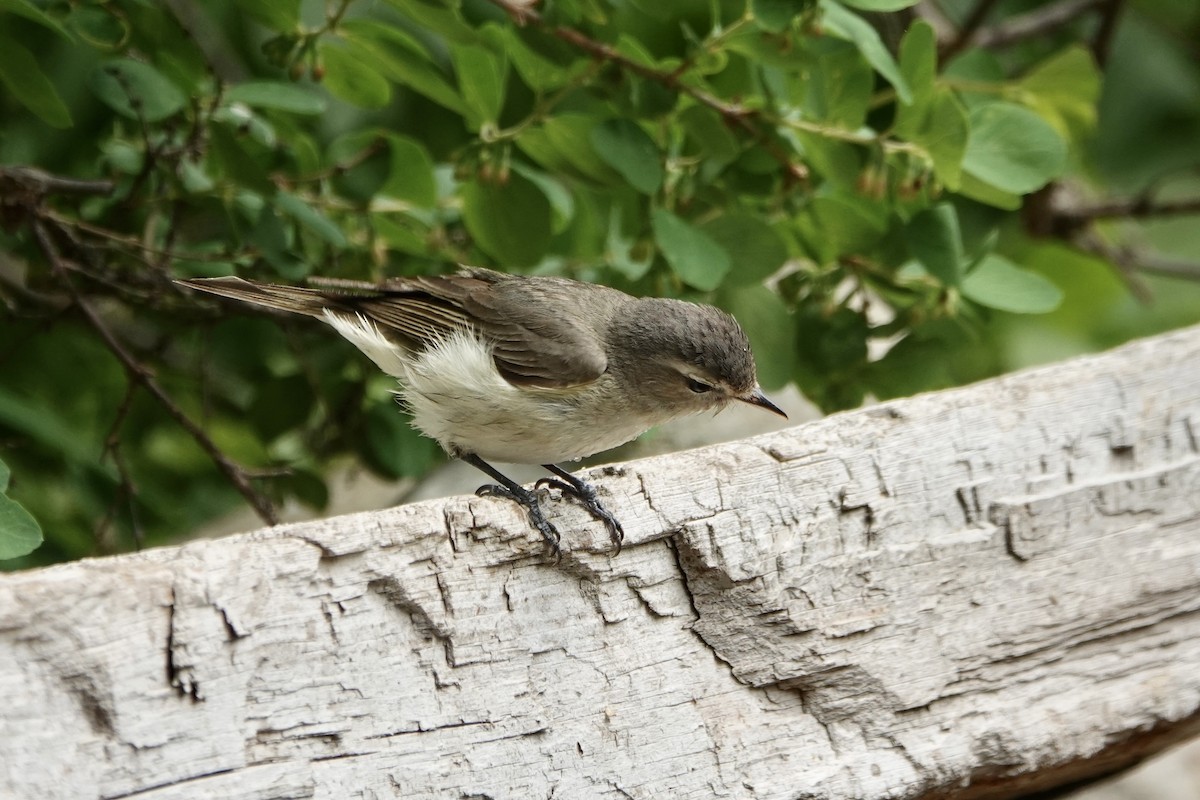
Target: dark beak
(757,398)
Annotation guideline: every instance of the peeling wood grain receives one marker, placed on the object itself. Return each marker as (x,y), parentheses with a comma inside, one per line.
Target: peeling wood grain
(967,594)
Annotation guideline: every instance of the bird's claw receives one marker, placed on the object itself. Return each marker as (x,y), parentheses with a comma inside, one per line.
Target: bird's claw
(585,493)
(528,501)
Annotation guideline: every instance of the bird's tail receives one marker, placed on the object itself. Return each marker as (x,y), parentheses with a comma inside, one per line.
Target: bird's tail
(297,299)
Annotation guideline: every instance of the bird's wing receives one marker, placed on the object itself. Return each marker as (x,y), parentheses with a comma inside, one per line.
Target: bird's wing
(538,332)
(538,336)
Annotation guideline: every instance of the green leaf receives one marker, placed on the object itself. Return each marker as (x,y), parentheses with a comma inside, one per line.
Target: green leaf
(20,533)
(24,79)
(943,134)
(918,65)
(26,9)
(693,255)
(629,150)
(1065,89)
(278,15)
(831,351)
(1013,149)
(411,177)
(776,15)
(709,134)
(835,225)
(361,162)
(5,474)
(271,238)
(622,252)
(401,58)
(510,221)
(998,283)
(234,163)
(193,177)
(561,201)
(771,328)
(838,91)
(308,216)
(914,364)
(543,62)
(849,25)
(438,16)
(757,250)
(481,78)
(351,74)
(137,90)
(935,240)
(277,95)
(972,187)
(308,487)
(563,144)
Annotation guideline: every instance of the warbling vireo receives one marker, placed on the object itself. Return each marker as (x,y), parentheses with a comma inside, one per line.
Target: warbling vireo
(530,370)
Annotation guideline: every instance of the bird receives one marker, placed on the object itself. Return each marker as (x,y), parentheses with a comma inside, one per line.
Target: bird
(529,369)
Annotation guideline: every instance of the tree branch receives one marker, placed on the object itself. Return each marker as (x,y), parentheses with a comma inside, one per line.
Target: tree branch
(1102,41)
(1035,23)
(139,373)
(972,24)
(1140,207)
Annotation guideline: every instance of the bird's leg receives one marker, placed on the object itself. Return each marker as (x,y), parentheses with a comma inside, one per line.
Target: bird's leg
(585,493)
(507,487)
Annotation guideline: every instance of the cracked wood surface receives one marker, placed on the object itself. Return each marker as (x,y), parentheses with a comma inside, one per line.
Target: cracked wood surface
(967,594)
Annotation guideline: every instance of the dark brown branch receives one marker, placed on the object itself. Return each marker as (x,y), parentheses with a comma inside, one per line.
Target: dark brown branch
(1140,207)
(1166,266)
(972,24)
(734,114)
(1035,23)
(126,489)
(1121,258)
(1102,41)
(39,184)
(139,373)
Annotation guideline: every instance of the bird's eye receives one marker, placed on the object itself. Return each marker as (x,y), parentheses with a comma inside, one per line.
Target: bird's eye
(699,387)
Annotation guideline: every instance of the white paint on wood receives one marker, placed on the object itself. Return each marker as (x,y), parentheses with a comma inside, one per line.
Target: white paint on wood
(963,594)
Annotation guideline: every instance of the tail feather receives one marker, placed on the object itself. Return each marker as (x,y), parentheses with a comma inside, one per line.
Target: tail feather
(296,299)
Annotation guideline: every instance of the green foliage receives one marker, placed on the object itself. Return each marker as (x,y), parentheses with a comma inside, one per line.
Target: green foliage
(20,533)
(871,210)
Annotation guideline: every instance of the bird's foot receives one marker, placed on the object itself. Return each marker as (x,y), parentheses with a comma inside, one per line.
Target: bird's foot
(528,500)
(585,493)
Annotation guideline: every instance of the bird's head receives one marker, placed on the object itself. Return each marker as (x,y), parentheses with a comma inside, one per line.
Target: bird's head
(688,357)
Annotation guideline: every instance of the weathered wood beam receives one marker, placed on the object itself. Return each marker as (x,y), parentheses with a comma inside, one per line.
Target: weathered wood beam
(967,594)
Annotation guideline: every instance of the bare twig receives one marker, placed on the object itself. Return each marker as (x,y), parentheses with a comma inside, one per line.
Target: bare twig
(1035,23)
(139,373)
(1122,259)
(39,184)
(126,490)
(1102,41)
(964,34)
(1140,207)
(943,27)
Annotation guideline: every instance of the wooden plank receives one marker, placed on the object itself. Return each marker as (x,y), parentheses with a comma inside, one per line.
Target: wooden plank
(965,594)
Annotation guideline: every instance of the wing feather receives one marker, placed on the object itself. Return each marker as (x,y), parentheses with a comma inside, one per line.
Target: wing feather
(543,331)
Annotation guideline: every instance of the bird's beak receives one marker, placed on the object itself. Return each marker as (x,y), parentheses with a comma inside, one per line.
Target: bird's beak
(757,398)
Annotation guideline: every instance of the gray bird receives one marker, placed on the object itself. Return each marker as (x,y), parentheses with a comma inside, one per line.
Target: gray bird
(530,370)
